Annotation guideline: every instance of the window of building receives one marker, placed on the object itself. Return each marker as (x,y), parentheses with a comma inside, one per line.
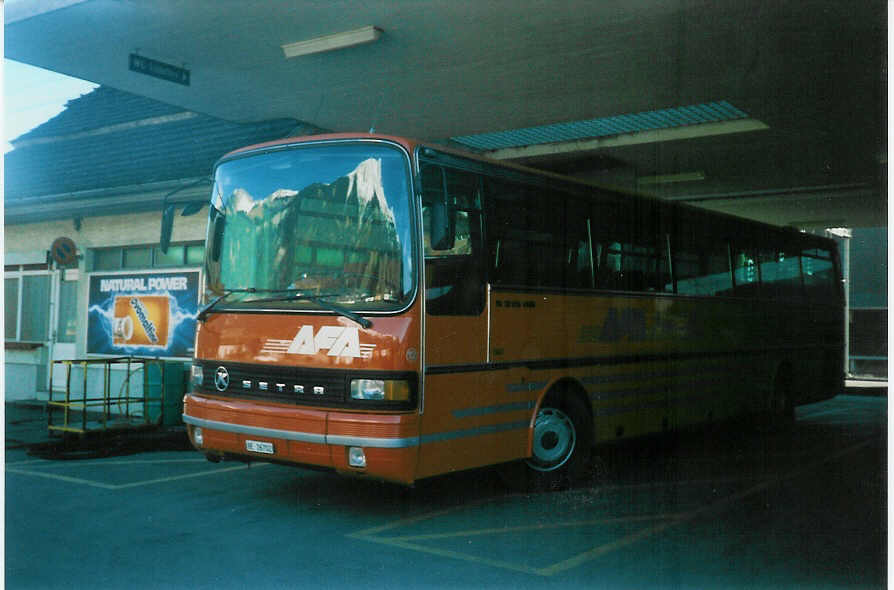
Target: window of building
(27,311)
(138,257)
(107,259)
(35,315)
(173,257)
(11,308)
(133,257)
(67,318)
(27,304)
(195,254)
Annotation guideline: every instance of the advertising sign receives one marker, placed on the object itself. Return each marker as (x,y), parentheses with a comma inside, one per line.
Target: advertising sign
(143,313)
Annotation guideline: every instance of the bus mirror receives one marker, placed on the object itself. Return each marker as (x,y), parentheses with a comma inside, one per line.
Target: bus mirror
(167,225)
(192,208)
(443,226)
(215,236)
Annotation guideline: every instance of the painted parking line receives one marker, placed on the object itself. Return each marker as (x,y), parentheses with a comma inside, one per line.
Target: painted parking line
(714,481)
(105,462)
(57,477)
(371,532)
(712,508)
(536,527)
(20,463)
(817,413)
(661,523)
(106,486)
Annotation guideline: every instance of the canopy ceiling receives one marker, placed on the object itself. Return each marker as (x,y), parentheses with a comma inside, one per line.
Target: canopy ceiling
(809,76)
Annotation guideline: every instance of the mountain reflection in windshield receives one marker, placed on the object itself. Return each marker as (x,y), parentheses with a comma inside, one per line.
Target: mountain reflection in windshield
(340,236)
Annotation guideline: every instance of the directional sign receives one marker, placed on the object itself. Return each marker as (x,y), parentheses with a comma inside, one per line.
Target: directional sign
(159,69)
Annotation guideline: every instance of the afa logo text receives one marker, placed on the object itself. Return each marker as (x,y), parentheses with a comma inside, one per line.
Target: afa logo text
(338,341)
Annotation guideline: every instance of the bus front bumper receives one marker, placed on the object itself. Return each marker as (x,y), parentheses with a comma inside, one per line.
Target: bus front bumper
(387,443)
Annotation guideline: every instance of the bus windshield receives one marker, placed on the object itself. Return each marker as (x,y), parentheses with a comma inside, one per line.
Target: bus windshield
(326,221)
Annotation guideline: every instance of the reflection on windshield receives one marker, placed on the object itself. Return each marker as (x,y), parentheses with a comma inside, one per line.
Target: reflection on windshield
(333,219)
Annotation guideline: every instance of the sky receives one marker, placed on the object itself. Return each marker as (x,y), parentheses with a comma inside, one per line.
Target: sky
(32,96)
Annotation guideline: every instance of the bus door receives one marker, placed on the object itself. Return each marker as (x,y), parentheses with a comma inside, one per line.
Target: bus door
(455,323)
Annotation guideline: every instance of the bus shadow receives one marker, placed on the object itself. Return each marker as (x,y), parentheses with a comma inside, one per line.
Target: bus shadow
(741,450)
(361,496)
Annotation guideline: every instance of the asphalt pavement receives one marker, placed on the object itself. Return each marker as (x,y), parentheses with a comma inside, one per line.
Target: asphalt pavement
(717,508)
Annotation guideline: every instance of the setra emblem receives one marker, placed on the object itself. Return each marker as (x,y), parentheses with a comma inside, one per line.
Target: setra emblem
(221,379)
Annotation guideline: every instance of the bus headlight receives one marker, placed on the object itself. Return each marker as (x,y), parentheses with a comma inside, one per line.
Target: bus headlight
(380,389)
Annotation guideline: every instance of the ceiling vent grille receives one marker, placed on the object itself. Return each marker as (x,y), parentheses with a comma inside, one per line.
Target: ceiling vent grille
(711,112)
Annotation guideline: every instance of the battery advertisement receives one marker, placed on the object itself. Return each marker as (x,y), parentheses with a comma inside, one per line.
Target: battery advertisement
(143,313)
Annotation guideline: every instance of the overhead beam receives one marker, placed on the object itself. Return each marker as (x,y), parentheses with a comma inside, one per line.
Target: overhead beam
(16,10)
(107,201)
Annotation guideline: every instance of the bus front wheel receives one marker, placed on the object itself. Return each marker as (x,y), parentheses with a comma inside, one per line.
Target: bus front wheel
(561,443)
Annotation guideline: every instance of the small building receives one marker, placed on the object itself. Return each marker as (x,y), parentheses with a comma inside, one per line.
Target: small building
(92,180)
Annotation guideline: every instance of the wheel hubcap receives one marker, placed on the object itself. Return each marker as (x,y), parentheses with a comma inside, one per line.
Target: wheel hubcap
(554,440)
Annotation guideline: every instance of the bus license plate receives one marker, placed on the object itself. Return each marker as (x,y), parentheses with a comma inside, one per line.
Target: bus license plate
(257,446)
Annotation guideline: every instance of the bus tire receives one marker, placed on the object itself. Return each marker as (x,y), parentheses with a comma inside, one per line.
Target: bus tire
(562,441)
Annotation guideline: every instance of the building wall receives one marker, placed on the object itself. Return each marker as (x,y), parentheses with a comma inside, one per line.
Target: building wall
(101,232)
(868,293)
(26,370)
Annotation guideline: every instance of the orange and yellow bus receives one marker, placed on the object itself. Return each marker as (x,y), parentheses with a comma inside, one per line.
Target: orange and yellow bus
(390,309)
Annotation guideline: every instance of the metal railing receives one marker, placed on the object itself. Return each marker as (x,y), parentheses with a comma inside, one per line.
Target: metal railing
(124,409)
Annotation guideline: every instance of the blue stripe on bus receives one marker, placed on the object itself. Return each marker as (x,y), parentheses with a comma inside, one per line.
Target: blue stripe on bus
(572,362)
(496,409)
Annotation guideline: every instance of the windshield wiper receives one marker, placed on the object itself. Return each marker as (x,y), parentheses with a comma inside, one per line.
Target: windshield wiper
(319,300)
(208,307)
(292,294)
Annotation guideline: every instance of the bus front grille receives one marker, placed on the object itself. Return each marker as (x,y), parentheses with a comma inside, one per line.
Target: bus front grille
(289,385)
(300,386)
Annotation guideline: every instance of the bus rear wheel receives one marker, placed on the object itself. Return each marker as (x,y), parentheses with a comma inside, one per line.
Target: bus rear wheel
(561,444)
(782,408)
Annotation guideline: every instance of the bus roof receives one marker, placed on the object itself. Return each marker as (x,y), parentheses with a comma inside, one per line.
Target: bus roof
(411,144)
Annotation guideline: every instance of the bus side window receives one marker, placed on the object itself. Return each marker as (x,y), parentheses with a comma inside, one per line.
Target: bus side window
(745,274)
(630,253)
(703,269)
(819,274)
(780,274)
(537,237)
(632,265)
(453,278)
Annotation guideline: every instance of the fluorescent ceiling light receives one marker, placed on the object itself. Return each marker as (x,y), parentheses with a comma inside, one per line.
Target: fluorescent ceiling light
(840,232)
(671,178)
(366,34)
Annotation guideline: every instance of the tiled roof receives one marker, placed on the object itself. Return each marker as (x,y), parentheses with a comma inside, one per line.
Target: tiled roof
(90,146)
(102,107)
